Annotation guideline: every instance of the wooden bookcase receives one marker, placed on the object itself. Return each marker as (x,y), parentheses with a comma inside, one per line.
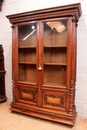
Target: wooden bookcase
(44,62)
(2,76)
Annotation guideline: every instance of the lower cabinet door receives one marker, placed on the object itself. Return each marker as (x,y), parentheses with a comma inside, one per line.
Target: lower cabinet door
(27,94)
(55,100)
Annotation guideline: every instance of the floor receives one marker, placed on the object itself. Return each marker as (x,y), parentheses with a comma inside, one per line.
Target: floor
(14,121)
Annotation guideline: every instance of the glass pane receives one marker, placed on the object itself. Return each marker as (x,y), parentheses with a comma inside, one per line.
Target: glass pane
(55,33)
(55,52)
(27,55)
(27,35)
(27,73)
(55,55)
(27,52)
(54,75)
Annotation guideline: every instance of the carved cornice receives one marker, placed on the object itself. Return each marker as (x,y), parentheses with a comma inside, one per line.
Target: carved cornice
(73,10)
(1,4)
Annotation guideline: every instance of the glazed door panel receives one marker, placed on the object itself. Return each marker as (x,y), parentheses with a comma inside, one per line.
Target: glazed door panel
(25,68)
(27,61)
(55,53)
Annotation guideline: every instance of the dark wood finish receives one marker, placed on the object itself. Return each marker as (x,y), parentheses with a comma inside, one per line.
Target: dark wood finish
(1,1)
(44,63)
(2,76)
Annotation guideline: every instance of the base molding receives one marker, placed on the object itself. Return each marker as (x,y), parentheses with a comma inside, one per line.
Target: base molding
(69,120)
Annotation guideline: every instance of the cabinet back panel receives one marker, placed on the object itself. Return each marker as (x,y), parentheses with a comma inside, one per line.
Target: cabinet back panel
(54,75)
(55,55)
(52,34)
(27,55)
(27,73)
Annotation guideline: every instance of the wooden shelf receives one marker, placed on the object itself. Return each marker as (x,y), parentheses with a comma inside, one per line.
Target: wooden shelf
(53,84)
(48,46)
(1,58)
(27,63)
(63,64)
(54,46)
(2,71)
(26,47)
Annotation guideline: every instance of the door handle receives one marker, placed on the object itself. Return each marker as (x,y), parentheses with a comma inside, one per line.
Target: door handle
(40,68)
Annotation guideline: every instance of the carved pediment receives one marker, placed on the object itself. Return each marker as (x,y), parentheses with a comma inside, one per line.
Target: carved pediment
(1,4)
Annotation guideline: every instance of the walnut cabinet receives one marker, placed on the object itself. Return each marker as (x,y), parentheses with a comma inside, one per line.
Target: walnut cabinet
(44,62)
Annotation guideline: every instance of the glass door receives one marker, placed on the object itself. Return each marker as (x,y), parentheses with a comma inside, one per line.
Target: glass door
(27,52)
(55,53)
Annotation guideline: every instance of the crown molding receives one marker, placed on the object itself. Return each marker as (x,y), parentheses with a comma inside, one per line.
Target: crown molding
(73,10)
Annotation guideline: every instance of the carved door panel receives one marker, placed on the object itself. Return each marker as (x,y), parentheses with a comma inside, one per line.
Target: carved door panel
(27,94)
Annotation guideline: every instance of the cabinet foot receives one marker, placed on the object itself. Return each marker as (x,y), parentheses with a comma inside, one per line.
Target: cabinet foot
(70,126)
(13,111)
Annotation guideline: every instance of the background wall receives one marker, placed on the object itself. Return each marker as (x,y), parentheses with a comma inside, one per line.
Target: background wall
(15,6)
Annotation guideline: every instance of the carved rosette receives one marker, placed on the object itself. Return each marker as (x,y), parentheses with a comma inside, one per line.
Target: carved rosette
(13,91)
(74,20)
(72,96)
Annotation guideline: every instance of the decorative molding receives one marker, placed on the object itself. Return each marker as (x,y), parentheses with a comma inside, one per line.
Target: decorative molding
(64,11)
(52,115)
(74,19)
(72,96)
(12,26)
(1,1)
(13,91)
